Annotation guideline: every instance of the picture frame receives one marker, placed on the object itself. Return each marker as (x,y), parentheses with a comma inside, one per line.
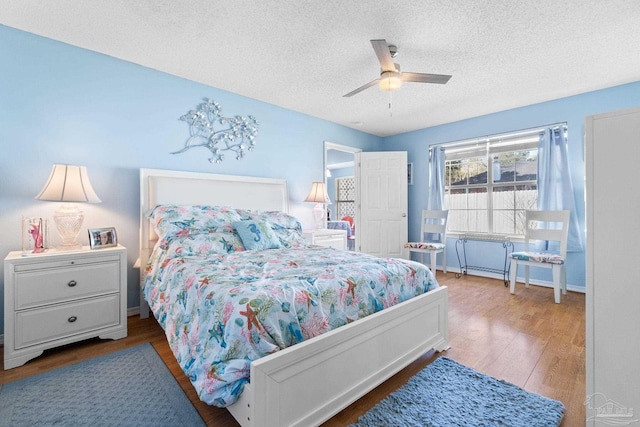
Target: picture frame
(410,173)
(100,238)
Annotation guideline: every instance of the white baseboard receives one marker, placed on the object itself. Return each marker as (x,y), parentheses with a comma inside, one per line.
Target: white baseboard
(133,311)
(544,283)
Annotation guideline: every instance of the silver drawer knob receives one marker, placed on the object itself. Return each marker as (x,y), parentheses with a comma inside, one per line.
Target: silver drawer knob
(72,283)
(72,319)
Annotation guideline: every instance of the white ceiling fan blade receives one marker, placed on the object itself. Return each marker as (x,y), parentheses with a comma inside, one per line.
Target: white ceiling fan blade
(425,78)
(361,88)
(384,56)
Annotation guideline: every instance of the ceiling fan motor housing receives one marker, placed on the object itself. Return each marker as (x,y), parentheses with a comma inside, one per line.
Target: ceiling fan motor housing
(393,50)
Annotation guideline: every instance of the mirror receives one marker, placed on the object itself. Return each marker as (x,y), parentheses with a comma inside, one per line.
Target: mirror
(339,163)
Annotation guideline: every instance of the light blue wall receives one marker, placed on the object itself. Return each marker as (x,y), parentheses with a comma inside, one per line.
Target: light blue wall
(571,110)
(62,104)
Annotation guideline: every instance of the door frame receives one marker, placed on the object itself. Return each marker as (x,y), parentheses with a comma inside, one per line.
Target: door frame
(339,147)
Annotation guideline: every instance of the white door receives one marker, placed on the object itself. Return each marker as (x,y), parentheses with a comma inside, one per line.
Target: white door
(613,271)
(381,185)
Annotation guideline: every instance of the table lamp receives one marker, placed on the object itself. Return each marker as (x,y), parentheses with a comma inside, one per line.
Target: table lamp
(68,184)
(319,196)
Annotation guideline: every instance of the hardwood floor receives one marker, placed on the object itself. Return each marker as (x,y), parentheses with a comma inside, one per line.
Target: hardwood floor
(525,339)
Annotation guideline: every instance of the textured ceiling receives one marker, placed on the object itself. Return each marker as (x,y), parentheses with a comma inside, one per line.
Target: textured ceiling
(304,55)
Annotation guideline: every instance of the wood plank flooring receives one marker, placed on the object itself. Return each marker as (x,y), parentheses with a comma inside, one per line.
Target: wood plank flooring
(525,339)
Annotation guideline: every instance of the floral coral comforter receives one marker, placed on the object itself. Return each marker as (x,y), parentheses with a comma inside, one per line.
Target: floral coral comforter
(222,311)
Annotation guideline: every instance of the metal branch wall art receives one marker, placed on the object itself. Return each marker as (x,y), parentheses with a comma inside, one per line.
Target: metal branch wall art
(236,135)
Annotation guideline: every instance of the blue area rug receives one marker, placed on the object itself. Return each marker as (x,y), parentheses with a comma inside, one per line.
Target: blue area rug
(446,393)
(132,387)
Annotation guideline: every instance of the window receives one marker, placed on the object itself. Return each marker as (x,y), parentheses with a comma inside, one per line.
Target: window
(489,183)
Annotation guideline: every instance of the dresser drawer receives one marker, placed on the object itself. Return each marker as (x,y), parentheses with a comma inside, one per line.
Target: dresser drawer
(55,322)
(45,286)
(329,238)
(336,240)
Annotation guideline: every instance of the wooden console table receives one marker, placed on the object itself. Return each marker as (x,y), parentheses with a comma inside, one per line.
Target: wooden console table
(507,244)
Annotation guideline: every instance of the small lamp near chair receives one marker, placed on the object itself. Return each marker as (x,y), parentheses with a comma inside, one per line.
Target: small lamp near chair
(319,196)
(68,184)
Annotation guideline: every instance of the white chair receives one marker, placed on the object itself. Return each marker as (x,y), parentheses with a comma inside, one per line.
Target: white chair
(536,228)
(433,223)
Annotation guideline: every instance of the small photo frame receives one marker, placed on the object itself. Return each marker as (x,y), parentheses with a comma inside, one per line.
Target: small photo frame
(102,237)
(410,173)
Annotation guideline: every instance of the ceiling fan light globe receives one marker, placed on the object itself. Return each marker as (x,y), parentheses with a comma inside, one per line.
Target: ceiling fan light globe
(390,80)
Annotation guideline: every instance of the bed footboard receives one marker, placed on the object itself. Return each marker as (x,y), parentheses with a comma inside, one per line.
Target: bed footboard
(308,383)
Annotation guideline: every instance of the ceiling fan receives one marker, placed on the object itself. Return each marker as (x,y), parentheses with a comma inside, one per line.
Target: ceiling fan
(390,76)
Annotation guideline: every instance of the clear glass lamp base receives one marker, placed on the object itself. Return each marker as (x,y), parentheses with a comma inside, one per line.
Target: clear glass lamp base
(318,216)
(68,221)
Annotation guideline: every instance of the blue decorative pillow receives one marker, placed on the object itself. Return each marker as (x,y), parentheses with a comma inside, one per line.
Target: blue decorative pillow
(285,226)
(257,235)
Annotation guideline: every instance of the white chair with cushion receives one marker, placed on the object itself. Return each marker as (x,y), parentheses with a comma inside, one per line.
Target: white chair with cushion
(433,224)
(544,226)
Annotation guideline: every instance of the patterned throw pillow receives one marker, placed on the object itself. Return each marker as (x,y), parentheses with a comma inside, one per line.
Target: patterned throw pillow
(285,226)
(181,220)
(257,235)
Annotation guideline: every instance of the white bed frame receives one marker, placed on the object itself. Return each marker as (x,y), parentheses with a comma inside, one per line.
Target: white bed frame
(306,384)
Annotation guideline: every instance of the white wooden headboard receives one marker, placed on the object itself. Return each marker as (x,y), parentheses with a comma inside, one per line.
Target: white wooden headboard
(159,187)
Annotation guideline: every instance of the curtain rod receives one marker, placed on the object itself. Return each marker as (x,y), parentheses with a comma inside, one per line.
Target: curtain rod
(499,135)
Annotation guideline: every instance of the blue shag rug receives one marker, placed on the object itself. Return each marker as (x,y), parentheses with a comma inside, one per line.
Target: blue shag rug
(446,393)
(131,387)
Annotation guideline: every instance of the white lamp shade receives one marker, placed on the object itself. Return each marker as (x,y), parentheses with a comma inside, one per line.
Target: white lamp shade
(68,183)
(318,193)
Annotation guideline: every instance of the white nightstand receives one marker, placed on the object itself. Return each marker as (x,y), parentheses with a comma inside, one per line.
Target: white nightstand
(60,297)
(336,239)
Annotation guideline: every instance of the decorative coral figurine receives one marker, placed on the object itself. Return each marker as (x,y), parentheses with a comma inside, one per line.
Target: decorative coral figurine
(38,240)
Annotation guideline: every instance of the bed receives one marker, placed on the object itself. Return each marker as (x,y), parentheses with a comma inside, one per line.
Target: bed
(306,383)
(341,225)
